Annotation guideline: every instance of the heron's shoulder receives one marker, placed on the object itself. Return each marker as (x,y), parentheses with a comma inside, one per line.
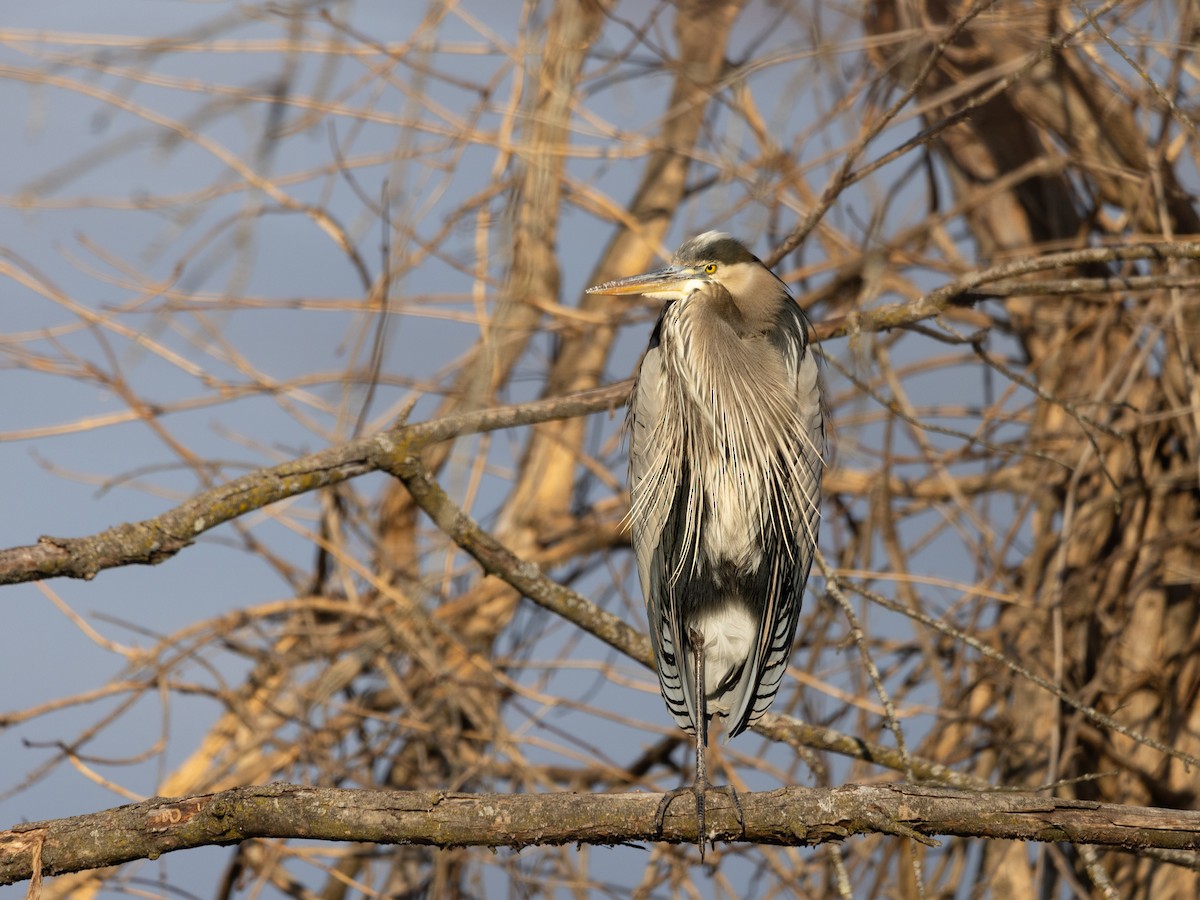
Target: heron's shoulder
(656,332)
(790,327)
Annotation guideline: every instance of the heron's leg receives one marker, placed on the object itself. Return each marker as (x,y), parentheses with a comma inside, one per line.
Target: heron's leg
(735,799)
(696,639)
(700,785)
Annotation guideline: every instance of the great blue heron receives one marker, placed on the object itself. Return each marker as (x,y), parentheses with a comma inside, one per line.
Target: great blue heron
(727,436)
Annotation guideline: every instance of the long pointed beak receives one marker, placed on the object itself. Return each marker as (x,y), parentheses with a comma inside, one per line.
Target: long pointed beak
(668,279)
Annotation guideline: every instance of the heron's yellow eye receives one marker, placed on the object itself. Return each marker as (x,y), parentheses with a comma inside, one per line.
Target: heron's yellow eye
(710,268)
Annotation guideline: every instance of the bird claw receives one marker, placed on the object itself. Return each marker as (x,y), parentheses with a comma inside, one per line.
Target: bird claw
(737,803)
(667,800)
(699,789)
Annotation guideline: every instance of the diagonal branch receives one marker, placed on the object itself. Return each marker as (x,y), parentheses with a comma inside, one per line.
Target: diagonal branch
(526,577)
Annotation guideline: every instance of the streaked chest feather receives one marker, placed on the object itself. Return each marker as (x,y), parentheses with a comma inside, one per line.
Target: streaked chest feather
(735,425)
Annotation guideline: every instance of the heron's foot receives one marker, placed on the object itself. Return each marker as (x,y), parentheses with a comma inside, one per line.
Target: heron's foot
(669,798)
(736,799)
(699,790)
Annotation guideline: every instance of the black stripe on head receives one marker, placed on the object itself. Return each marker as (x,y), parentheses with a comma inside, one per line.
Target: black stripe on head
(714,246)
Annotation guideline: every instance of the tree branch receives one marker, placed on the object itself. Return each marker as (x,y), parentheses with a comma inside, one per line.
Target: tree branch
(793,816)
(965,289)
(154,540)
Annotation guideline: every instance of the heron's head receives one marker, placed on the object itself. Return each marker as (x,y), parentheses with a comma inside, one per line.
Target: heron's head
(710,258)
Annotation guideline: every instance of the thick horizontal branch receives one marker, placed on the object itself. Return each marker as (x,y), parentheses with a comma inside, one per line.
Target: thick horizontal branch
(793,816)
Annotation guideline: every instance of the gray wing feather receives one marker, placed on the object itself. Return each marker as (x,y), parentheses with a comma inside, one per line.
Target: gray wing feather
(652,525)
(788,557)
